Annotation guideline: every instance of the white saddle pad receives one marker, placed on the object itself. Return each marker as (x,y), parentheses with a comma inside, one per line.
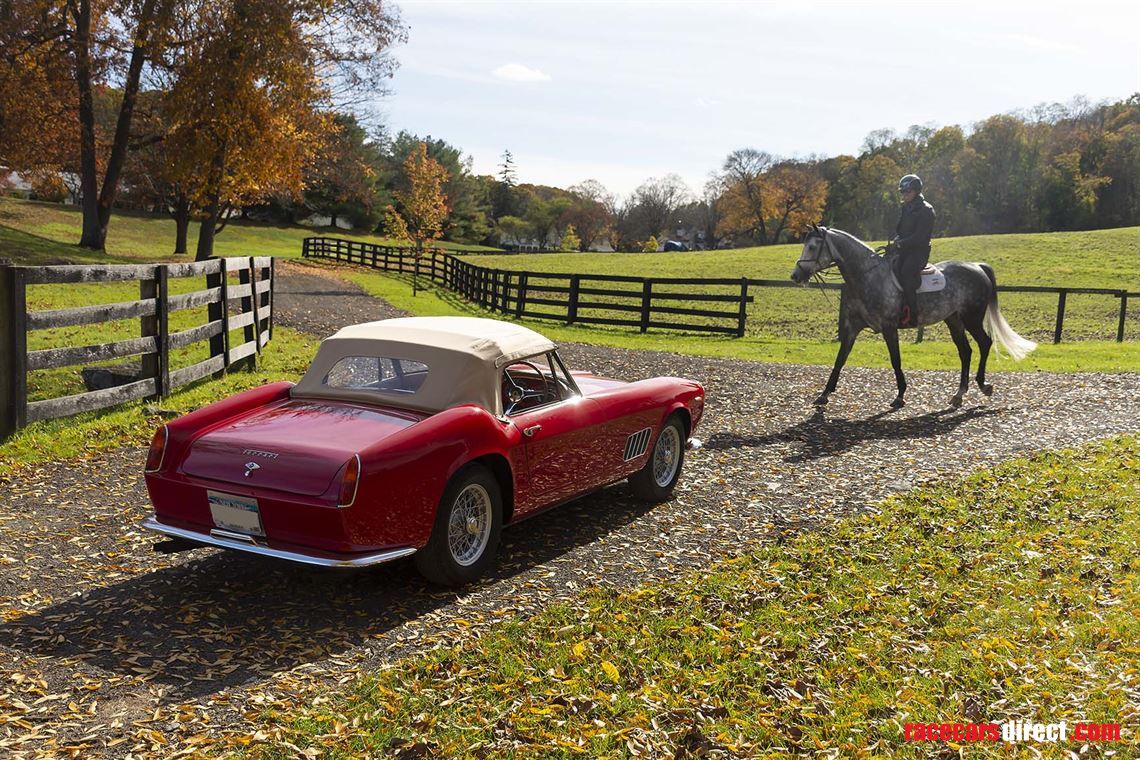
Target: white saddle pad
(933,279)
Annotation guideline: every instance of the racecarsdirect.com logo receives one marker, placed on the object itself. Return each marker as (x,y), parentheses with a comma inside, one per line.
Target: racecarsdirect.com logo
(1012,731)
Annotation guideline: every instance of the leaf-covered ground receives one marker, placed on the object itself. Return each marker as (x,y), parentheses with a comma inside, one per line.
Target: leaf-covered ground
(107,649)
(1009,595)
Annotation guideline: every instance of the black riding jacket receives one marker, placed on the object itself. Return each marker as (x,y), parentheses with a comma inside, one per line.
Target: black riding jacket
(916,225)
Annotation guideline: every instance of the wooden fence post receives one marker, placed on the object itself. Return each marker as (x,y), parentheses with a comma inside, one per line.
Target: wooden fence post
(520,297)
(272,286)
(1060,316)
(248,306)
(742,317)
(572,306)
(217,310)
(157,365)
(646,301)
(1123,315)
(13,351)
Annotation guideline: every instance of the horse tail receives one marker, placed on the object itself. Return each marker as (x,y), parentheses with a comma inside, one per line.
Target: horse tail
(994,323)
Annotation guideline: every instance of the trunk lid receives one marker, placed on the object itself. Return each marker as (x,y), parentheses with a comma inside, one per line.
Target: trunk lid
(297,446)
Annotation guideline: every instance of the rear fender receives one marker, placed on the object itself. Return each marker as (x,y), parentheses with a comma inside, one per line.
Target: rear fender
(404,476)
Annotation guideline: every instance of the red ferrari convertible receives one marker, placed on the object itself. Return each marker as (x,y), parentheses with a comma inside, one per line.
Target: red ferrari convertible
(410,436)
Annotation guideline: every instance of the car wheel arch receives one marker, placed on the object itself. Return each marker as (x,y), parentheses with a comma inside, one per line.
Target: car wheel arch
(500,467)
(683,412)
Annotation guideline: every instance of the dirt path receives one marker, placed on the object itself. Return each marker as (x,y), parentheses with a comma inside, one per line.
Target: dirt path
(108,648)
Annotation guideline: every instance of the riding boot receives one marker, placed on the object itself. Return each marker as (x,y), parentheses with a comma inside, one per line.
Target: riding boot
(909,316)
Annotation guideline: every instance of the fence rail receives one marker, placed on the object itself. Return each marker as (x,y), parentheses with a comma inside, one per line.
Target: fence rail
(564,296)
(156,379)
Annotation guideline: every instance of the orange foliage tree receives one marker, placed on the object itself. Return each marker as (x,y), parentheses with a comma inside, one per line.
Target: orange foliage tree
(422,201)
(765,197)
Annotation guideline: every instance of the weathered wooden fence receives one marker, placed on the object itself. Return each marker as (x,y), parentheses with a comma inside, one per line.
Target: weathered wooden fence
(641,302)
(253,314)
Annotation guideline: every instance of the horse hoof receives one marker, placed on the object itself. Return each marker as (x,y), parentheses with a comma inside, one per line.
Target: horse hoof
(986,388)
(898,403)
(955,402)
(821,401)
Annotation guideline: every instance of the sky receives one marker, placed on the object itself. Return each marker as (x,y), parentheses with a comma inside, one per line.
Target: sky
(624,91)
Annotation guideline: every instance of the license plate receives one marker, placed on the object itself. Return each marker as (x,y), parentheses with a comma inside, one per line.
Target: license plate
(236,513)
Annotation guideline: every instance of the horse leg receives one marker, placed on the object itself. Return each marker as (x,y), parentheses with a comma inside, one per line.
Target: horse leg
(958,333)
(891,336)
(846,341)
(985,342)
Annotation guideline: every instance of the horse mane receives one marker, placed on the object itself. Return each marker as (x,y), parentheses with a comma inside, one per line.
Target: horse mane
(853,239)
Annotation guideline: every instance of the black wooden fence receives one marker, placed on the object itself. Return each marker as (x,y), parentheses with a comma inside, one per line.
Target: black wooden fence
(641,302)
(253,314)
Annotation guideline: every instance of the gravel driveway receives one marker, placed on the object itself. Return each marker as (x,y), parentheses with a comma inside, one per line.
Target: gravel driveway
(107,648)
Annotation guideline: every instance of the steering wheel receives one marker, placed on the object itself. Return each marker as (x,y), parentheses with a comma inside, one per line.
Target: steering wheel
(518,393)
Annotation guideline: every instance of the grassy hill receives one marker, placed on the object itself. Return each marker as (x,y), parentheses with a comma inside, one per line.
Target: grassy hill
(45,233)
(790,325)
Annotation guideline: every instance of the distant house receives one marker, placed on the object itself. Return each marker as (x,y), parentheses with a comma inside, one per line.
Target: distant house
(14,184)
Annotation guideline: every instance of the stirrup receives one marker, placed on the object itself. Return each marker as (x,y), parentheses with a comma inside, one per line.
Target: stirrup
(905,317)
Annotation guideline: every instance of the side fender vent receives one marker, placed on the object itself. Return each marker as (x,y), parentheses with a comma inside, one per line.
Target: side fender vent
(637,443)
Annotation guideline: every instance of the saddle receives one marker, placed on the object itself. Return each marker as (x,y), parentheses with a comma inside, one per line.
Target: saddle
(933,278)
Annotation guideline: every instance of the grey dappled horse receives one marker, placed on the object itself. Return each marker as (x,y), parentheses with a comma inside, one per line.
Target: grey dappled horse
(872,299)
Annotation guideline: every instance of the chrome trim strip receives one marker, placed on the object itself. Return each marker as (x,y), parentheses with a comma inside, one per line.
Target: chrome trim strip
(227,540)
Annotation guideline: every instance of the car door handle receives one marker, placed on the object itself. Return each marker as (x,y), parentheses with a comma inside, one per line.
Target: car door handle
(530,431)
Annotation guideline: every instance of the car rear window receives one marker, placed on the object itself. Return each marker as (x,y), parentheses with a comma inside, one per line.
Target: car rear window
(377,373)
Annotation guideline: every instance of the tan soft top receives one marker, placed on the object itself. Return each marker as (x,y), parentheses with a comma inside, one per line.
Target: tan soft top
(463,356)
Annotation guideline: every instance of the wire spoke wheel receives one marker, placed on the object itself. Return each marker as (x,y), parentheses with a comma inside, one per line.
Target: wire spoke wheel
(469,525)
(666,456)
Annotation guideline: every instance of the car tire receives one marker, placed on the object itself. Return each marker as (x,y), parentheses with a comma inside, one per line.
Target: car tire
(655,481)
(465,536)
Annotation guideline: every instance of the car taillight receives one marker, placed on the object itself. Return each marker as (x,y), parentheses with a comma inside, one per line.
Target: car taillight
(348,485)
(157,450)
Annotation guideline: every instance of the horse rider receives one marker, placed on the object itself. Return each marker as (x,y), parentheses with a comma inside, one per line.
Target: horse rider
(912,243)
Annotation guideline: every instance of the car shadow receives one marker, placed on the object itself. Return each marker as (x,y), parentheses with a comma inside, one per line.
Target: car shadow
(227,618)
(819,436)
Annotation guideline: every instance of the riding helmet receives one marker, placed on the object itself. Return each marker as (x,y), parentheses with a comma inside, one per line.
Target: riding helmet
(910,182)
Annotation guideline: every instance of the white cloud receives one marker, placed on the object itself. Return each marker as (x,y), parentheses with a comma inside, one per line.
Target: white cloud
(516,72)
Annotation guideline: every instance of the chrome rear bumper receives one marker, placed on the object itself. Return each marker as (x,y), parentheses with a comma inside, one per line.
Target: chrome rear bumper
(693,444)
(228,540)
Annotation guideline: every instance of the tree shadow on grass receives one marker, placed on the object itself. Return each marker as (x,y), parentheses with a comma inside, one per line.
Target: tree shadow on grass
(817,436)
(227,618)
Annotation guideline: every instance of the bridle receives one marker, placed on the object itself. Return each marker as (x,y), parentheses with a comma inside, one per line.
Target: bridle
(821,233)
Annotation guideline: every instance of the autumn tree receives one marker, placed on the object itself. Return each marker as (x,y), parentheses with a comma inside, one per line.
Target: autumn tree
(589,212)
(93,42)
(742,175)
(344,179)
(656,201)
(765,197)
(423,204)
(394,226)
(570,240)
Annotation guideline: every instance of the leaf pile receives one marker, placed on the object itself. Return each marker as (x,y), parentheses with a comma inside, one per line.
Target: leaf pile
(1010,595)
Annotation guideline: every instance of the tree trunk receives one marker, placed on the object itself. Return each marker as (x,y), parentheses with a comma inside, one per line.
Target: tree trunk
(92,236)
(97,204)
(207,231)
(332,219)
(181,223)
(126,112)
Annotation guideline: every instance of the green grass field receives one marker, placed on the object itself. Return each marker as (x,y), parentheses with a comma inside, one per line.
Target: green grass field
(785,325)
(1011,594)
(1097,259)
(46,233)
